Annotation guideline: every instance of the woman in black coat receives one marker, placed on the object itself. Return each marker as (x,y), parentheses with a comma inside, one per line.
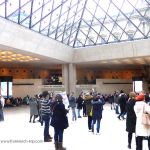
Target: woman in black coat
(59,121)
(131,117)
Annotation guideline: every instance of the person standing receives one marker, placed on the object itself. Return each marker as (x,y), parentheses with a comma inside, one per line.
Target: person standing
(122,104)
(59,121)
(141,129)
(97,104)
(79,104)
(131,117)
(33,109)
(87,100)
(2,103)
(116,101)
(72,105)
(46,114)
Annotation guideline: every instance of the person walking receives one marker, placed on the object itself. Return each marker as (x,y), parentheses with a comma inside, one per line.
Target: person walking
(131,117)
(97,110)
(141,129)
(59,121)
(72,105)
(122,104)
(46,114)
(2,103)
(87,100)
(33,109)
(79,104)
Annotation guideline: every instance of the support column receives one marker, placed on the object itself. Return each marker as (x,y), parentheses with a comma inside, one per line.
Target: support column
(65,77)
(72,78)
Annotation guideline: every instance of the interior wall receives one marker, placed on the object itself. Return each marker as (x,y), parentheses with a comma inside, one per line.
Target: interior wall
(23,87)
(108,86)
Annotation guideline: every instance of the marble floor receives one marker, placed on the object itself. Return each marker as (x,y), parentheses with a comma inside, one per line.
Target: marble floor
(17,133)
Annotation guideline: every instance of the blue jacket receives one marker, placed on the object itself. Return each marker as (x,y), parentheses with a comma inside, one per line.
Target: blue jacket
(97,109)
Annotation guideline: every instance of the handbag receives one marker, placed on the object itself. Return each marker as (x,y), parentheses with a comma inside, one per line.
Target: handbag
(145,118)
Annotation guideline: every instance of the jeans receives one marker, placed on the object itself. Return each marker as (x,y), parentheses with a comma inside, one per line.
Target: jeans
(46,119)
(79,113)
(74,117)
(1,115)
(116,108)
(139,143)
(97,121)
(89,122)
(58,134)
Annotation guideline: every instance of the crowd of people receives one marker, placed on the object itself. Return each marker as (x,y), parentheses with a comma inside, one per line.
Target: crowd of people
(49,109)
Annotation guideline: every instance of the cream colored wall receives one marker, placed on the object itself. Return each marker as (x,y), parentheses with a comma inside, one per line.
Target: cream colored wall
(113,51)
(31,90)
(109,88)
(23,90)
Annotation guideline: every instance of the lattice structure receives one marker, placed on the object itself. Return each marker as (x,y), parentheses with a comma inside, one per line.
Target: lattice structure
(81,23)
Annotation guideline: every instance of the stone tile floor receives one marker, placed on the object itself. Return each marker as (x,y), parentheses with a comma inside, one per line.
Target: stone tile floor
(17,133)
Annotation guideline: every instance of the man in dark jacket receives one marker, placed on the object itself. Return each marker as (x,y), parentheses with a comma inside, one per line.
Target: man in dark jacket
(97,104)
(122,104)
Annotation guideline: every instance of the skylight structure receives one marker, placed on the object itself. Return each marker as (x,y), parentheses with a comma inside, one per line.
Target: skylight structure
(82,23)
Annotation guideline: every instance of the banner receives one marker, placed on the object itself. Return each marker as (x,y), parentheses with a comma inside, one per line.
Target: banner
(65,99)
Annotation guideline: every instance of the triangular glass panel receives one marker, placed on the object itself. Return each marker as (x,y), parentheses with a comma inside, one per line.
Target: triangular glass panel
(36,27)
(36,5)
(25,12)
(47,8)
(89,14)
(78,43)
(124,36)
(104,4)
(81,36)
(91,6)
(2,10)
(12,7)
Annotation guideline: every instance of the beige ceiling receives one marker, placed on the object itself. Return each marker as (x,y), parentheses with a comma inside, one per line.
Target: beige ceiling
(47,62)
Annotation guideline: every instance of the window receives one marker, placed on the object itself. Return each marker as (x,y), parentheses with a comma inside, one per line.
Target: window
(103,40)
(130,36)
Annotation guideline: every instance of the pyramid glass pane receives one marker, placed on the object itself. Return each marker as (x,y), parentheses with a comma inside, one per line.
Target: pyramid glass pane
(80,23)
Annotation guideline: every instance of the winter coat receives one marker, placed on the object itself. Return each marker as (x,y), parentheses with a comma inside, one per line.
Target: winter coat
(72,102)
(33,106)
(79,102)
(122,102)
(141,130)
(116,98)
(131,117)
(97,109)
(59,118)
(88,105)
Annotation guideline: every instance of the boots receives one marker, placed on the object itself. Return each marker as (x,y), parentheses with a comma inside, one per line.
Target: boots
(49,136)
(56,145)
(60,146)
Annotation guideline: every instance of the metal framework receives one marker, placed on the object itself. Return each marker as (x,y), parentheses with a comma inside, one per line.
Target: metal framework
(81,23)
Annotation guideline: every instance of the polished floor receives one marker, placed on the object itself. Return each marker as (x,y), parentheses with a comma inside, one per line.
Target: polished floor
(17,133)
